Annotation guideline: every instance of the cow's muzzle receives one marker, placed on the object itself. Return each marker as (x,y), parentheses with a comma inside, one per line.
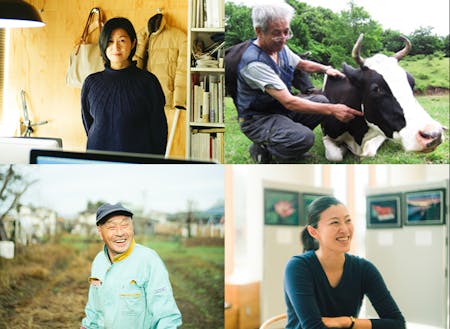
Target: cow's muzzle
(429,139)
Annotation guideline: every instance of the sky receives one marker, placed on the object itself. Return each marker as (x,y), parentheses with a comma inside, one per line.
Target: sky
(166,188)
(388,13)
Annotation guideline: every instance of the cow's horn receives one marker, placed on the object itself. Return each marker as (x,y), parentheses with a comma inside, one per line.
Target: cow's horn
(356,52)
(402,53)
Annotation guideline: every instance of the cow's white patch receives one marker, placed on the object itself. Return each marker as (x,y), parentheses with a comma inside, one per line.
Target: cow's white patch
(371,146)
(417,119)
(333,151)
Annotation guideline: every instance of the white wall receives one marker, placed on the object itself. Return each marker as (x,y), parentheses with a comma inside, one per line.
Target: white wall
(248,212)
(413,259)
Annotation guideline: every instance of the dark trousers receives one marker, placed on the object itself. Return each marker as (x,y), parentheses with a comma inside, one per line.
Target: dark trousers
(286,137)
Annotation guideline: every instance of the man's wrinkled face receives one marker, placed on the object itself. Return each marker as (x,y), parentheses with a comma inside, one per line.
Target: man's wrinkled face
(275,37)
(117,233)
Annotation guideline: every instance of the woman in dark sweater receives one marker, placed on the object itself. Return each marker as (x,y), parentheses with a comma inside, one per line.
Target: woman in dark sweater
(325,286)
(123,106)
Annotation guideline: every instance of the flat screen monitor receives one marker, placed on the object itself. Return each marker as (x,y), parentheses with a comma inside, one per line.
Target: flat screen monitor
(17,149)
(38,156)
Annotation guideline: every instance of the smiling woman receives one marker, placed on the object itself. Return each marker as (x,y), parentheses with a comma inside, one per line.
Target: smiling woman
(327,280)
(123,106)
(38,61)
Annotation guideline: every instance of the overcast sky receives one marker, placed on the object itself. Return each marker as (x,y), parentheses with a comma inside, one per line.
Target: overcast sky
(403,16)
(167,188)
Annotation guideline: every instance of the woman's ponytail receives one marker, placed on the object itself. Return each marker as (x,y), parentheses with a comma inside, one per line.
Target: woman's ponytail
(309,243)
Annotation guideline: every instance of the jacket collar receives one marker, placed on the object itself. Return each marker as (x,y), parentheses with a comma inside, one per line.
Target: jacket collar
(161,26)
(122,256)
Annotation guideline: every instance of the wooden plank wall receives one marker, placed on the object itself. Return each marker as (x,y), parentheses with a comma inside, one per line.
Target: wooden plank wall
(38,60)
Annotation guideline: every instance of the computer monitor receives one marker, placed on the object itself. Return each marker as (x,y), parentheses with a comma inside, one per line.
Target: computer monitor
(38,156)
(17,149)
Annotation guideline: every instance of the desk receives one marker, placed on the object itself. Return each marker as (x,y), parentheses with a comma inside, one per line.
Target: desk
(244,310)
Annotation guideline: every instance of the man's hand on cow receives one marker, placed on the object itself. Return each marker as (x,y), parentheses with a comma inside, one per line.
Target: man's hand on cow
(334,73)
(344,113)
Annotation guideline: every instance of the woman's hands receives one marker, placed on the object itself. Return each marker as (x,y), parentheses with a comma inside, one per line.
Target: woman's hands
(339,322)
(346,322)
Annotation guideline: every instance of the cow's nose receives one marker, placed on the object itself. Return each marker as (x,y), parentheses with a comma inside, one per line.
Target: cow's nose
(431,138)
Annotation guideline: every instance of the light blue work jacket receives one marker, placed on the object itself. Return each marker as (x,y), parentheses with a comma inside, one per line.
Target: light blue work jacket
(132,291)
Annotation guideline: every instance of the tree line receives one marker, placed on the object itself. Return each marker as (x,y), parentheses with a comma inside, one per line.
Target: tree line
(330,36)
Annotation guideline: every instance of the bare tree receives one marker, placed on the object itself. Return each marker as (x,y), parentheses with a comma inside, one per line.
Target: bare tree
(190,217)
(12,186)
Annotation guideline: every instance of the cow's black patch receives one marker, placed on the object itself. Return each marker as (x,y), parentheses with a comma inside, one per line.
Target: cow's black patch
(381,108)
(367,87)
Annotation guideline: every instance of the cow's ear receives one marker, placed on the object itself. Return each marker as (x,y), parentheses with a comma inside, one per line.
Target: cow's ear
(411,80)
(354,75)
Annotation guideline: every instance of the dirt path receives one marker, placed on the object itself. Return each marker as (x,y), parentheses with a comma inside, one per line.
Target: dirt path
(53,295)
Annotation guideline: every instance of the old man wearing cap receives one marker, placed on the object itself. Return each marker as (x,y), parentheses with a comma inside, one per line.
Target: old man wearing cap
(129,284)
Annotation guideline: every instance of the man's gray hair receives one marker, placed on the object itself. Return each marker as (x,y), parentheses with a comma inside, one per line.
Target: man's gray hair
(263,14)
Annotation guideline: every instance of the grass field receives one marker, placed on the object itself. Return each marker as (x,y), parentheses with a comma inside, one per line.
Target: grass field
(197,276)
(237,144)
(428,71)
(46,286)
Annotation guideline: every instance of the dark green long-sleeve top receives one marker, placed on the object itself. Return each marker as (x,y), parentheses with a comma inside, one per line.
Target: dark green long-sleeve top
(309,295)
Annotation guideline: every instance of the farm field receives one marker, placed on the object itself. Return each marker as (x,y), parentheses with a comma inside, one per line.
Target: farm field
(46,285)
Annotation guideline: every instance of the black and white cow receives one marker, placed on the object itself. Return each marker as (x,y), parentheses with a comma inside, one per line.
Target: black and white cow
(383,91)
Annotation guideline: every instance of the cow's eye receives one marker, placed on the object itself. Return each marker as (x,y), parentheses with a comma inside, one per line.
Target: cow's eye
(375,89)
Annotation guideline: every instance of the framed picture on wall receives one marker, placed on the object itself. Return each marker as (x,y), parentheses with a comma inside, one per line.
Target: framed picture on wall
(425,207)
(306,200)
(384,211)
(281,207)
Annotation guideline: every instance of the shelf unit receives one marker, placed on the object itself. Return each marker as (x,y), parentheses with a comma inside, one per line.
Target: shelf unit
(205,82)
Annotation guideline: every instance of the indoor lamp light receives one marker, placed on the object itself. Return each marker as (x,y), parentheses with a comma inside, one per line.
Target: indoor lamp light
(18,13)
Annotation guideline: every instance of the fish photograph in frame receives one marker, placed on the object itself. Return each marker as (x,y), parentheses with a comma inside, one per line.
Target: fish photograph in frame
(384,211)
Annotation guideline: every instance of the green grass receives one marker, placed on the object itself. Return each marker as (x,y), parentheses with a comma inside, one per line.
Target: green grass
(237,144)
(428,71)
(197,276)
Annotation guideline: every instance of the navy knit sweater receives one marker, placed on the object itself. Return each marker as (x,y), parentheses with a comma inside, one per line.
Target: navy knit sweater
(123,110)
(309,295)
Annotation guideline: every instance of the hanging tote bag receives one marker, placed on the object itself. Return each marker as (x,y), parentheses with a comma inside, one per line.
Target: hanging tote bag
(86,58)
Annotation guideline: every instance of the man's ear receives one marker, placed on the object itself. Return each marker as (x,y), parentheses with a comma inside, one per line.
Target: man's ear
(99,232)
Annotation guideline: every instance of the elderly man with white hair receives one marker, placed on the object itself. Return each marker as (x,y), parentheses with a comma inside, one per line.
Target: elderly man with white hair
(279,123)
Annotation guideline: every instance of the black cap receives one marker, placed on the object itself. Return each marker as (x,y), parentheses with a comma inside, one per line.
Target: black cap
(107,210)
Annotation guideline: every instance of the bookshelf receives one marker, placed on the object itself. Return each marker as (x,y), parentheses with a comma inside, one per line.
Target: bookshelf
(205,84)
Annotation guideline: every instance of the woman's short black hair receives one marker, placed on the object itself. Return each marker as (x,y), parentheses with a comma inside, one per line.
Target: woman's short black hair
(105,35)
(315,209)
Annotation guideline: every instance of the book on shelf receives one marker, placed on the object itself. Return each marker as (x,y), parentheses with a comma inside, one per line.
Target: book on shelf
(207,145)
(207,98)
(208,13)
